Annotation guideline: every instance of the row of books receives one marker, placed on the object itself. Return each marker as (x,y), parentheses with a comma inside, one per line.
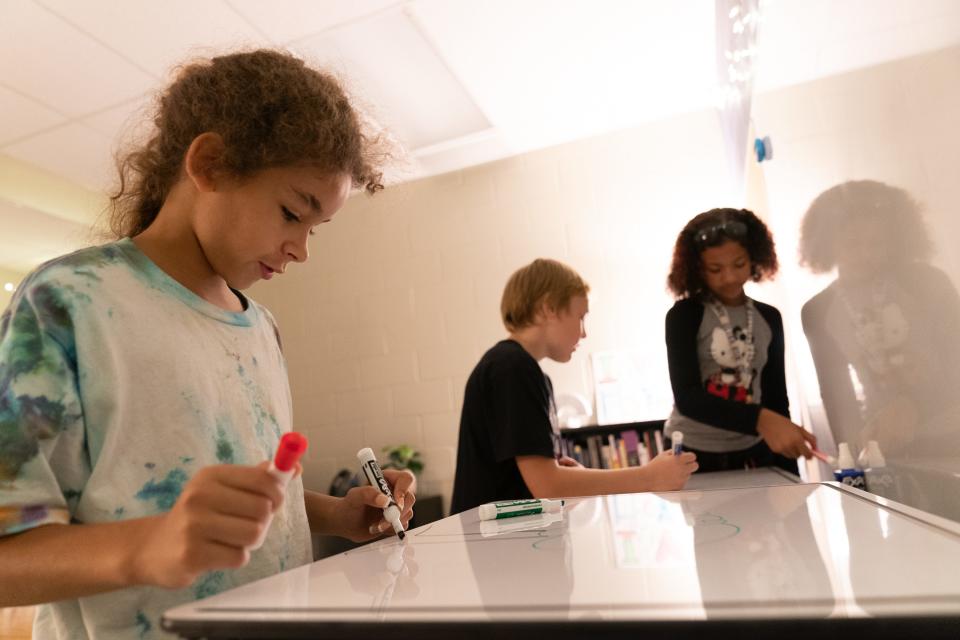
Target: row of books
(616,451)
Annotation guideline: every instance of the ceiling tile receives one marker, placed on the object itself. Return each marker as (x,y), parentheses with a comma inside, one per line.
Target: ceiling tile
(125,122)
(545,72)
(158,35)
(826,38)
(73,151)
(294,19)
(67,70)
(23,116)
(530,73)
(484,147)
(409,88)
(906,40)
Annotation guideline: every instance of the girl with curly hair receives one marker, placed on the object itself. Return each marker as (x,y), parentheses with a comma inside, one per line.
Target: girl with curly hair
(726,351)
(883,334)
(141,391)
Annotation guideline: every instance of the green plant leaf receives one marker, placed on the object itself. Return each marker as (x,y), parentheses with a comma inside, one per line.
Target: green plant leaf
(403,456)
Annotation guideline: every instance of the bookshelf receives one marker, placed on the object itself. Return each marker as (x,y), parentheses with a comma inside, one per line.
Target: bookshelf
(615,446)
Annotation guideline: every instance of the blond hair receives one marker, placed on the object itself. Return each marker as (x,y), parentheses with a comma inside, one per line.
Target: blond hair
(543,281)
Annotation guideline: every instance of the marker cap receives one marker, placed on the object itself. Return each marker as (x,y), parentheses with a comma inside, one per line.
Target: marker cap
(677,439)
(292,446)
(844,457)
(874,457)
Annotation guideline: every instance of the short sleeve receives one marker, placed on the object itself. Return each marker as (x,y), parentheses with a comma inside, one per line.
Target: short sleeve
(43,467)
(521,412)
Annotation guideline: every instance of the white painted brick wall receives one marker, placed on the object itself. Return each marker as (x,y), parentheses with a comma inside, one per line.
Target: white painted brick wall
(353,406)
(422,398)
(393,369)
(401,295)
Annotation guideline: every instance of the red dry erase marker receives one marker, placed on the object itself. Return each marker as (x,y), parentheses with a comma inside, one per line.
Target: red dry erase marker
(284,464)
(292,446)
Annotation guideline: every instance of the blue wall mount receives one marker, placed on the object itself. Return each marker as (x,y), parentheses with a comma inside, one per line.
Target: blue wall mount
(763,148)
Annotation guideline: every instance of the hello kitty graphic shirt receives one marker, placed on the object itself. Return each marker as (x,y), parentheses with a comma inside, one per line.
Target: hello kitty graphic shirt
(723,375)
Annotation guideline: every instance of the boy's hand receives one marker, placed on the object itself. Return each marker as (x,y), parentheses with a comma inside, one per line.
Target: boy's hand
(567,461)
(360,512)
(219,513)
(669,472)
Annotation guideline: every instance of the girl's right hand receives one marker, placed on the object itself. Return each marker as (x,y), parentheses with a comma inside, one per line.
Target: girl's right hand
(785,437)
(669,472)
(218,515)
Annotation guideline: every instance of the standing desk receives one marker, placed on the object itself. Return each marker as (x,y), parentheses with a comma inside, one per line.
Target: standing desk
(783,560)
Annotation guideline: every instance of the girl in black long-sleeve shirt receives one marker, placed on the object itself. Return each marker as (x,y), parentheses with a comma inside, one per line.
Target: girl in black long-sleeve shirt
(726,351)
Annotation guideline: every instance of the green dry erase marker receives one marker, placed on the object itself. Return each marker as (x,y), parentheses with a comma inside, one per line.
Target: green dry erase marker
(514,508)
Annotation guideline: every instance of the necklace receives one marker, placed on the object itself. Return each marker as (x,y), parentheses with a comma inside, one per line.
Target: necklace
(742,357)
(879,326)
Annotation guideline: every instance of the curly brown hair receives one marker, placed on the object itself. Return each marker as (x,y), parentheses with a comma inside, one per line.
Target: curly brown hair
(889,209)
(270,109)
(686,269)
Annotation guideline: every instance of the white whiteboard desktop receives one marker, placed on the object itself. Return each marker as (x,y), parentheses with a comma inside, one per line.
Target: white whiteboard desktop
(761,477)
(818,558)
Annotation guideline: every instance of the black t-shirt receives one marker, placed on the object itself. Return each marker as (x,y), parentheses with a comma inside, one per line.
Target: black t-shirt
(507,412)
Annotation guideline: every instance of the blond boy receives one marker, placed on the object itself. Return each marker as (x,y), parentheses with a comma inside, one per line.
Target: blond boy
(509,439)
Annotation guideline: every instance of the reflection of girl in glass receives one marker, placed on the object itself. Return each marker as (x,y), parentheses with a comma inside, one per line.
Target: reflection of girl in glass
(883,335)
(726,351)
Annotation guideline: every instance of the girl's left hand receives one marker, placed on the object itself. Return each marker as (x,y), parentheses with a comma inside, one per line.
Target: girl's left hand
(361,511)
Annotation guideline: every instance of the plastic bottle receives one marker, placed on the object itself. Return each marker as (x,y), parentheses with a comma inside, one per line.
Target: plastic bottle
(847,472)
(878,477)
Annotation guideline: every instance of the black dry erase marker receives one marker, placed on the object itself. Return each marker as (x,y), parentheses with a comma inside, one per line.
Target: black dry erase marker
(391,513)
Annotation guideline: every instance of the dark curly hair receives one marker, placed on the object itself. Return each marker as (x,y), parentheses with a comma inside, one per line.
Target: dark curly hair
(875,204)
(270,109)
(686,269)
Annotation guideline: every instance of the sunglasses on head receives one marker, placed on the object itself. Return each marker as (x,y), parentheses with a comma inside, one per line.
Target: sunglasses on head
(711,234)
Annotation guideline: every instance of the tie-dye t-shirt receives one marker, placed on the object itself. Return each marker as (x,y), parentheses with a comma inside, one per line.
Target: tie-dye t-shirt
(117,384)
